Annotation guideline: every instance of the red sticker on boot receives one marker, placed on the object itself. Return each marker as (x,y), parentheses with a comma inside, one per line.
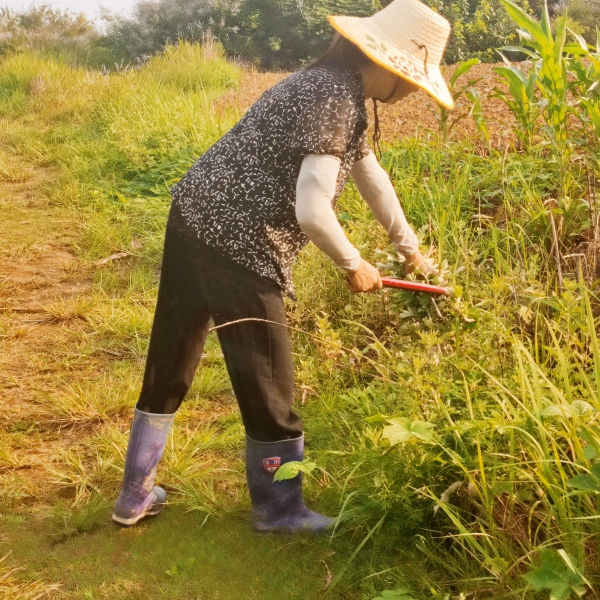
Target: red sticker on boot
(271,464)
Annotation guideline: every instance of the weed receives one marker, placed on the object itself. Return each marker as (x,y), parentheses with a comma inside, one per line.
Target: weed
(70,520)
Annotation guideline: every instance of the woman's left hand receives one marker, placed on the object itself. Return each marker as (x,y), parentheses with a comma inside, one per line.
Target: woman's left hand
(416,262)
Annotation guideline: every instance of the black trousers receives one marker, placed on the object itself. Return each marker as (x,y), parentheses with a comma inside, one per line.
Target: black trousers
(197,284)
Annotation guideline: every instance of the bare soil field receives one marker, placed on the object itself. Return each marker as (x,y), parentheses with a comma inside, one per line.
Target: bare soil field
(416,115)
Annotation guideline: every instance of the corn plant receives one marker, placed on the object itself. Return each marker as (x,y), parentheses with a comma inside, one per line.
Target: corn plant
(445,123)
(521,99)
(546,50)
(477,113)
(585,70)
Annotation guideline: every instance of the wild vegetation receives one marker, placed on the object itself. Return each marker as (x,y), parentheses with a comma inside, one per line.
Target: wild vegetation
(457,441)
(266,33)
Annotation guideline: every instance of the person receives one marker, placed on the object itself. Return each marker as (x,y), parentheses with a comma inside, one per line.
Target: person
(238,219)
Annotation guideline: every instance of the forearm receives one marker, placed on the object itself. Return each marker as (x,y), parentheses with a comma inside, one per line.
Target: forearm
(314,192)
(377,190)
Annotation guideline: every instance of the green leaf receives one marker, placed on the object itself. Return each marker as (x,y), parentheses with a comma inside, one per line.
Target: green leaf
(558,574)
(377,418)
(546,24)
(560,37)
(462,69)
(592,448)
(526,51)
(580,40)
(529,24)
(289,470)
(497,565)
(402,430)
(586,483)
(577,409)
(555,410)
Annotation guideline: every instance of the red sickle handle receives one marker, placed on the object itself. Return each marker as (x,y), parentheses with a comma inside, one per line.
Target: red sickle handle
(413,286)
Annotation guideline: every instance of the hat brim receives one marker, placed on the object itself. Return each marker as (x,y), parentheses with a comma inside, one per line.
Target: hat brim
(391,58)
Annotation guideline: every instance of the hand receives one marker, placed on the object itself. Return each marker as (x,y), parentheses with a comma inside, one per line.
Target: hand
(365,279)
(417,262)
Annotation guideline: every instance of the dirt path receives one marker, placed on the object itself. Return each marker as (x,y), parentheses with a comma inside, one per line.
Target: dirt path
(38,271)
(38,274)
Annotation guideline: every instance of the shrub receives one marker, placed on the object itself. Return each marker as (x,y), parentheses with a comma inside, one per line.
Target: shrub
(584,16)
(72,37)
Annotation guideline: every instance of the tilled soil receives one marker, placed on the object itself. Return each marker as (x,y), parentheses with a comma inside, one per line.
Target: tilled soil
(417,115)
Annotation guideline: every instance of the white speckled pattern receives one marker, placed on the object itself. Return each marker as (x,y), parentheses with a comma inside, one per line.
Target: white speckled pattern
(239,198)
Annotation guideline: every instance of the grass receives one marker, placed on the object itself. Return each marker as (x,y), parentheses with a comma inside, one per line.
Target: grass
(457,443)
(108,562)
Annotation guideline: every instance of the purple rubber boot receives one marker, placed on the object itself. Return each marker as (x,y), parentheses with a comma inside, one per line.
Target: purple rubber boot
(139,497)
(277,506)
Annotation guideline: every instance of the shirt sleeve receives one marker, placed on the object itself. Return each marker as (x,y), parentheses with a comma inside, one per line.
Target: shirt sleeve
(327,127)
(377,190)
(315,189)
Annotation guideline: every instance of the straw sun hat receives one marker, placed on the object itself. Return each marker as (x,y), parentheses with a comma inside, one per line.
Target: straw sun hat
(407,38)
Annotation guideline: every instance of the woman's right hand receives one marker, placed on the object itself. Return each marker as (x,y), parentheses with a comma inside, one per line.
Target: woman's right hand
(365,279)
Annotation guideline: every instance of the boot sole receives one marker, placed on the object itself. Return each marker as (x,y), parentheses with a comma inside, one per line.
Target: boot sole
(288,531)
(134,520)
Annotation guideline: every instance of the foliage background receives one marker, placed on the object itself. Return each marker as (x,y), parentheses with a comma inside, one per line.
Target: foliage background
(268,33)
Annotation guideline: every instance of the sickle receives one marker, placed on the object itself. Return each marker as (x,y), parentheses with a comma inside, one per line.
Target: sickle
(414,286)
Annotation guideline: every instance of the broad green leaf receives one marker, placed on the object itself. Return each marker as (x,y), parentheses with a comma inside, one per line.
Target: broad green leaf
(497,565)
(562,578)
(560,37)
(529,24)
(575,49)
(577,408)
(289,470)
(581,407)
(580,39)
(555,410)
(546,23)
(377,418)
(401,430)
(592,448)
(527,51)
(586,483)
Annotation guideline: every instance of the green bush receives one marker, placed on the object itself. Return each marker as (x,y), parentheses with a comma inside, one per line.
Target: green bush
(285,33)
(584,17)
(59,33)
